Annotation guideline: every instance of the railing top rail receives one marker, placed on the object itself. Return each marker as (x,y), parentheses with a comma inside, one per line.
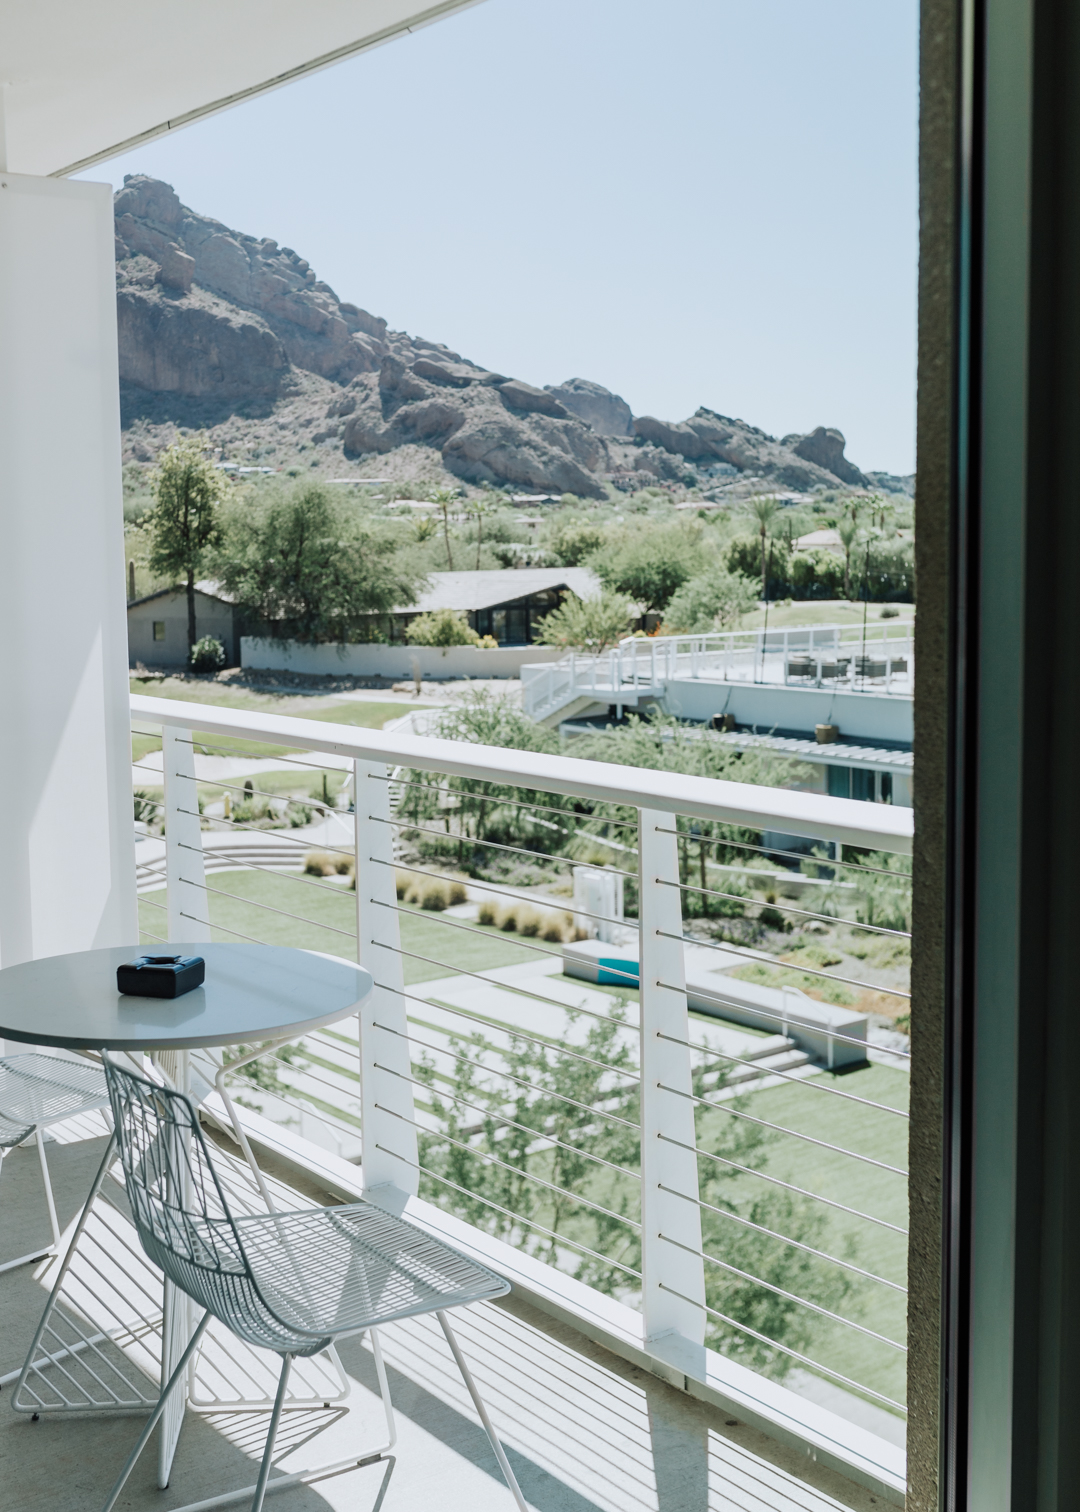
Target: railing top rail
(850,821)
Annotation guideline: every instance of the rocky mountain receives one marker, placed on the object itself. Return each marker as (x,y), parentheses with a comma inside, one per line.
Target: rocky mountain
(231,332)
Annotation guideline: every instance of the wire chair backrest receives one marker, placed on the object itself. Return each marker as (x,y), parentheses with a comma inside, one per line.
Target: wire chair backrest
(177,1202)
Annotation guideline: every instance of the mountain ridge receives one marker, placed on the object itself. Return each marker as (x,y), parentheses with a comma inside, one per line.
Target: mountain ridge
(232,333)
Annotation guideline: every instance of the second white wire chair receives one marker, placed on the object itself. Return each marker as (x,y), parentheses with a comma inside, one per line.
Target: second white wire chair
(288,1282)
(35,1091)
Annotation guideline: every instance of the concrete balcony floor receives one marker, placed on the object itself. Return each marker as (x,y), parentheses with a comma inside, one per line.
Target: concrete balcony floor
(585,1431)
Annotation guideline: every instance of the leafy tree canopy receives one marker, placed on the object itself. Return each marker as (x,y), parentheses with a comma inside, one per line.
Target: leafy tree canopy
(588,624)
(650,563)
(312,569)
(715,600)
(185,521)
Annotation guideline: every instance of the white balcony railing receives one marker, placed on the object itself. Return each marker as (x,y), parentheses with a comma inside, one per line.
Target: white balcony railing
(428,1101)
(878,660)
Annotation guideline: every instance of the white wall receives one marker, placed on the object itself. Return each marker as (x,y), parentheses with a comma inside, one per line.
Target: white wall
(771,706)
(390,661)
(67,857)
(212,617)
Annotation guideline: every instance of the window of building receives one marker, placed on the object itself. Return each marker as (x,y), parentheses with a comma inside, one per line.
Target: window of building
(159,630)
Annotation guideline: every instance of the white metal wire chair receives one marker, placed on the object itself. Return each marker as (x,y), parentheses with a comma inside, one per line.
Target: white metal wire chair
(288,1282)
(35,1091)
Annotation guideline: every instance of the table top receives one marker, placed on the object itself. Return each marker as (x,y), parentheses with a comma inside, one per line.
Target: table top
(251,993)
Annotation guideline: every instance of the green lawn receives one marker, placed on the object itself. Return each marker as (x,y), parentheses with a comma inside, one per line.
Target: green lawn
(327,919)
(824,612)
(360,713)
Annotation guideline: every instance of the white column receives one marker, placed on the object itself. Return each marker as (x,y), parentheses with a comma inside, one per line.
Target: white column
(67,857)
(188,901)
(674,1282)
(386,1096)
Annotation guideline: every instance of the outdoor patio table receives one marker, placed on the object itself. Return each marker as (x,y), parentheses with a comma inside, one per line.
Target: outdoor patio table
(254,995)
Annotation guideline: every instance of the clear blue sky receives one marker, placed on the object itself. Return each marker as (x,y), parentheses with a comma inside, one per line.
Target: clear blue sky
(690,201)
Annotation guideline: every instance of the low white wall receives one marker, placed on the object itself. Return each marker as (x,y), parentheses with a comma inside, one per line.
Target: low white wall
(390,661)
(769,706)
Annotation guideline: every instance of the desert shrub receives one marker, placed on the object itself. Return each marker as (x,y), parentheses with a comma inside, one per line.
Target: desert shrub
(443,627)
(207,655)
(435,893)
(529,921)
(402,883)
(488,912)
(506,919)
(324,864)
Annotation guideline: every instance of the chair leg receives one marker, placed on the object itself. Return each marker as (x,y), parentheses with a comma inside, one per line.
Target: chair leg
(48,1188)
(384,1389)
(489,1427)
(275,1418)
(152,1421)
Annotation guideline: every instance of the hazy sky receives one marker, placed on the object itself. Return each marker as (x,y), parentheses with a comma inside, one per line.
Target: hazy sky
(690,201)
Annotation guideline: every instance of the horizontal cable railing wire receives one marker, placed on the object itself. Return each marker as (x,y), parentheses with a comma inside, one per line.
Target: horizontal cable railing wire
(792,1354)
(803,1081)
(789,1187)
(711,892)
(758,957)
(509,1075)
(268,908)
(337,850)
(517,1170)
(721,1107)
(779,1291)
(513,1124)
(519,944)
(776,852)
(502,892)
(472,840)
(759,1228)
(538,808)
(512,987)
(246,864)
(517,1217)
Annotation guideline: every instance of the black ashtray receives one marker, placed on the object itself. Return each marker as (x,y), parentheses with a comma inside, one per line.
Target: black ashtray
(164,976)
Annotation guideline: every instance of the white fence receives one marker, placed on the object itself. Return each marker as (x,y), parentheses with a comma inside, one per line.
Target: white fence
(878,660)
(378,1108)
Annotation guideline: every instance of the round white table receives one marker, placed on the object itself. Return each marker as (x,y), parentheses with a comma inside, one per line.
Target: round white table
(251,992)
(261,996)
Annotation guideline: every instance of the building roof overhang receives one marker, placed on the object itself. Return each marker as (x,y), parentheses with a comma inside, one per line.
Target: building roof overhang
(80,83)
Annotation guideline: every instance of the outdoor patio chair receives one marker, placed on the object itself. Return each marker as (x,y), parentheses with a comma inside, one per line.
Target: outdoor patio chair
(290,1282)
(36,1091)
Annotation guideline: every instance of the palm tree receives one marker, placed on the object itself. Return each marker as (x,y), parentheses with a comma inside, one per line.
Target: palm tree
(764,508)
(848,531)
(443,498)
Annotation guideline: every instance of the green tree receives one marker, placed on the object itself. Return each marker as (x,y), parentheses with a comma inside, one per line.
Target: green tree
(185,521)
(479,510)
(442,627)
(443,498)
(312,569)
(650,564)
(715,600)
(764,509)
(573,540)
(587,624)
(848,531)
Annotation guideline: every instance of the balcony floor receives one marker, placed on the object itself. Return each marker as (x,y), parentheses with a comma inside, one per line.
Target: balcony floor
(585,1431)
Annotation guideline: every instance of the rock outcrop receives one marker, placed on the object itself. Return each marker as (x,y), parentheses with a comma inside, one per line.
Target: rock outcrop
(794,462)
(607,413)
(213,322)
(486,431)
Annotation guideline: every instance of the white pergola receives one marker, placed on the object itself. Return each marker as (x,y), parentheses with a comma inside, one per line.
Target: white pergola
(78,84)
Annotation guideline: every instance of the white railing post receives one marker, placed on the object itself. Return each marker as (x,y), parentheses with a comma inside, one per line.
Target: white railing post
(387,1130)
(673,1272)
(187,899)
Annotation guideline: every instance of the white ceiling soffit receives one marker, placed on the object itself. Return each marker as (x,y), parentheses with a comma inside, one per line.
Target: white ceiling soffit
(85,79)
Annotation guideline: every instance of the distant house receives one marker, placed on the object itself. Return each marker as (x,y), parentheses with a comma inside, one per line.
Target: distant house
(827,540)
(158,625)
(506,604)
